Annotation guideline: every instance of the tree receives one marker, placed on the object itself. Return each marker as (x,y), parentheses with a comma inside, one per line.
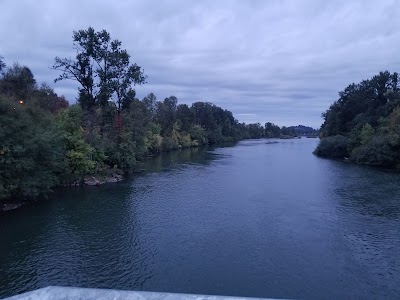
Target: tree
(203,115)
(150,105)
(2,65)
(77,151)
(256,131)
(185,116)
(333,146)
(18,82)
(47,99)
(364,123)
(166,114)
(287,131)
(31,156)
(101,68)
(272,130)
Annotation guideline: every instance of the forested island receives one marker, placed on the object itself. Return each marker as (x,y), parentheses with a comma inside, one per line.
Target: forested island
(363,125)
(46,142)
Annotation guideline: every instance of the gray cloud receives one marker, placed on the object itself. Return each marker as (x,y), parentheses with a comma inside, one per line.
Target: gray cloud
(279,61)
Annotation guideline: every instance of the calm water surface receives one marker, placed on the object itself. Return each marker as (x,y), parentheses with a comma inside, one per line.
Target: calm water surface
(256,219)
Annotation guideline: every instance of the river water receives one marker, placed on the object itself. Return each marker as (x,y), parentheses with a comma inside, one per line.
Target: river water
(256,219)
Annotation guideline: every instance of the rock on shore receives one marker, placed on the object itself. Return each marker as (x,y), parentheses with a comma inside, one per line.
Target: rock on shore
(94,181)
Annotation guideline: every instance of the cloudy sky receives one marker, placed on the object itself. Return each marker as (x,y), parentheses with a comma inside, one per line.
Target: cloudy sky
(268,60)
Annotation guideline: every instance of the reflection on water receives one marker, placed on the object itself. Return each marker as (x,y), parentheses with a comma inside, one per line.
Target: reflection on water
(256,219)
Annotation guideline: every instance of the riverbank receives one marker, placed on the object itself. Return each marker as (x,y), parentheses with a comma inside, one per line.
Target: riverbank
(110,176)
(95,180)
(179,226)
(117,175)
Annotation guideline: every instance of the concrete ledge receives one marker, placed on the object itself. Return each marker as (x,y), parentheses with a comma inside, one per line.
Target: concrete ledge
(72,293)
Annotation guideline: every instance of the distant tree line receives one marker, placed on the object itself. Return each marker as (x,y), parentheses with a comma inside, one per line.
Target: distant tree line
(364,123)
(274,131)
(45,142)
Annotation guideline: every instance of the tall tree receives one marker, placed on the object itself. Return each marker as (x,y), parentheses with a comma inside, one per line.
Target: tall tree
(102,69)
(166,114)
(150,105)
(185,116)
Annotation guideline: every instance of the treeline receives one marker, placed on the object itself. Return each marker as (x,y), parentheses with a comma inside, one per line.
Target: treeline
(45,142)
(364,123)
(274,131)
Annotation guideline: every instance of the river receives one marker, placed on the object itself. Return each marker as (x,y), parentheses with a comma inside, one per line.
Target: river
(255,219)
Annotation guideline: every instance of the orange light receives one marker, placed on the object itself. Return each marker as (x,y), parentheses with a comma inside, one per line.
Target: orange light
(21,102)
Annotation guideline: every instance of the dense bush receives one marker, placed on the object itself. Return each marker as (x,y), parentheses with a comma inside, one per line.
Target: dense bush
(333,146)
(31,156)
(377,152)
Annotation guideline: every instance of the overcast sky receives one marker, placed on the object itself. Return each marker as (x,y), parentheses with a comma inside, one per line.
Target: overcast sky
(278,61)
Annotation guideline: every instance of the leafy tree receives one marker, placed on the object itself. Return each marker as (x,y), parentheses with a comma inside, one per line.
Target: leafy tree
(256,131)
(150,106)
(153,138)
(377,152)
(333,146)
(136,121)
(121,151)
(77,152)
(31,158)
(185,115)
(102,69)
(46,98)
(366,116)
(303,130)
(166,114)
(203,115)
(18,82)
(198,135)
(272,130)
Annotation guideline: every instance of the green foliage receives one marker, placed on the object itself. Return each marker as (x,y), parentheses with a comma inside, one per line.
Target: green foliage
(186,140)
(18,83)
(185,115)
(198,135)
(301,130)
(30,151)
(272,130)
(101,68)
(47,99)
(77,150)
(44,142)
(366,134)
(368,114)
(150,106)
(378,151)
(121,151)
(333,146)
(256,131)
(153,141)
(169,143)
(166,114)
